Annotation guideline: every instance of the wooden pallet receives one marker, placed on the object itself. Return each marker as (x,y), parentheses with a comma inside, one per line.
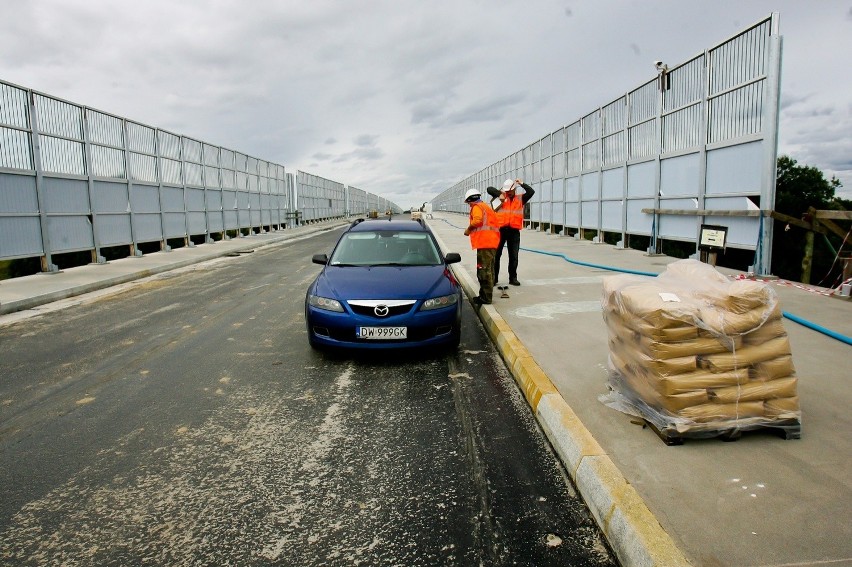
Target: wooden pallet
(788,429)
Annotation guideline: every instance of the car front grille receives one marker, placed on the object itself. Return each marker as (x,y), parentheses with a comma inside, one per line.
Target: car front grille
(370,311)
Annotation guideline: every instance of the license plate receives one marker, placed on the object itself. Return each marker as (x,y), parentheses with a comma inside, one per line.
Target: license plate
(382,332)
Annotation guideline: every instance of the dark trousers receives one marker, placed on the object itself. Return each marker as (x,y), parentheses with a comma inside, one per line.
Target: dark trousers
(485,273)
(511,237)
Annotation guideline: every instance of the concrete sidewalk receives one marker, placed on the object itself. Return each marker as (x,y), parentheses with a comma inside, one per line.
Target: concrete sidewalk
(758,501)
(761,500)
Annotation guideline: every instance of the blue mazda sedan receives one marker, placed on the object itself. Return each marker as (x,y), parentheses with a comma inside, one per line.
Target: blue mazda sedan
(385,285)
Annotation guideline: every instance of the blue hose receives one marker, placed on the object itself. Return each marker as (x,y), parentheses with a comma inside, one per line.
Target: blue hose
(823,330)
(588,265)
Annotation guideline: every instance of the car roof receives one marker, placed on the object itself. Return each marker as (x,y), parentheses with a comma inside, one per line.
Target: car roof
(401,225)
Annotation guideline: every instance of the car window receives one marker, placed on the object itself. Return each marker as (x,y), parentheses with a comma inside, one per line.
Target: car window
(385,248)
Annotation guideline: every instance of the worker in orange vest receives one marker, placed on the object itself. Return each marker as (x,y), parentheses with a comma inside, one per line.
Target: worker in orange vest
(511,218)
(484,237)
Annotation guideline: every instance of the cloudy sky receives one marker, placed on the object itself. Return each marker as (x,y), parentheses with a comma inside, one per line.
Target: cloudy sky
(404,98)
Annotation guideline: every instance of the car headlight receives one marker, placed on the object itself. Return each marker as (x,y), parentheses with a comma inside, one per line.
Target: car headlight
(325,303)
(438,302)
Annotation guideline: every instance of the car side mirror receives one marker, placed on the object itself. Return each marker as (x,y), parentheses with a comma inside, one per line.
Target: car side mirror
(452,258)
(320,259)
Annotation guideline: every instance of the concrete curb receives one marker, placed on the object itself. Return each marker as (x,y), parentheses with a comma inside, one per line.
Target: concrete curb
(634,534)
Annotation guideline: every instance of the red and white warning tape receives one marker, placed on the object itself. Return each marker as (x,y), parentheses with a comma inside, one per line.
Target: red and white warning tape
(821,291)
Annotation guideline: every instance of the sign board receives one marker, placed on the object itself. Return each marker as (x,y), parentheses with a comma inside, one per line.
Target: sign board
(712,237)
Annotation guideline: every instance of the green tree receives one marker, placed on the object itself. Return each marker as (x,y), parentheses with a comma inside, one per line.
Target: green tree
(797,188)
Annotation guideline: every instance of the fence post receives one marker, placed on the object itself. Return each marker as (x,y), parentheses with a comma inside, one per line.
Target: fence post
(46,260)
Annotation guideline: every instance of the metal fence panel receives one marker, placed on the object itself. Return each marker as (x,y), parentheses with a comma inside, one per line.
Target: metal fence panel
(142,167)
(611,212)
(105,129)
(680,176)
(62,156)
(195,199)
(638,223)
(589,186)
(145,199)
(254,204)
(65,195)
(174,225)
(230,219)
(535,208)
(172,199)
(169,145)
(641,180)
(59,118)
(214,202)
(147,227)
(572,214)
(13,107)
(589,211)
(197,222)
(110,197)
(69,233)
(678,227)
(734,169)
(18,194)
(741,230)
(15,152)
(612,183)
(114,229)
(215,221)
(20,236)
(108,162)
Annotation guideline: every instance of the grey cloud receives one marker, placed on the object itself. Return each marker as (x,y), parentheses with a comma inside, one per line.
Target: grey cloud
(426,113)
(789,99)
(810,112)
(366,140)
(486,110)
(361,154)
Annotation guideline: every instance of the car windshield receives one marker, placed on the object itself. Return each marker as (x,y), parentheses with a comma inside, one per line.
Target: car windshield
(385,248)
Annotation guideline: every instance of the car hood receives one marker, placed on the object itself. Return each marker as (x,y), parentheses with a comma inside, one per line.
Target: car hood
(383,282)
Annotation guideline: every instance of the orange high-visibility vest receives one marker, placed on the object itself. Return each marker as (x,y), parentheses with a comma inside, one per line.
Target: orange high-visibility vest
(486,234)
(511,213)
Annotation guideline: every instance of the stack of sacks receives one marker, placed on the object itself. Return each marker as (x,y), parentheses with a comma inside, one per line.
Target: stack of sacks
(699,351)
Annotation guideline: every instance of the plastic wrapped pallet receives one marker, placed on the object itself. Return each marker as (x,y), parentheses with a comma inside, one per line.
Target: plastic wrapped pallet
(698,354)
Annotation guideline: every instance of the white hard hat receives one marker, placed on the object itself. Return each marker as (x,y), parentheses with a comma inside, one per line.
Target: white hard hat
(508,185)
(472,193)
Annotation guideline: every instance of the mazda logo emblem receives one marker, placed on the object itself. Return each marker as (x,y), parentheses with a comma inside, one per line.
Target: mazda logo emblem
(381,310)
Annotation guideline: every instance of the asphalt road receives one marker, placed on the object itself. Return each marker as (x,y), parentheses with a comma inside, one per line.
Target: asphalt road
(183,420)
